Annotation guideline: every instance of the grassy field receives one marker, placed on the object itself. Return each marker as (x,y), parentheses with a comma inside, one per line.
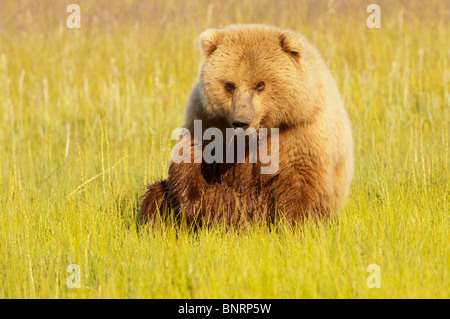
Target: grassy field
(85,122)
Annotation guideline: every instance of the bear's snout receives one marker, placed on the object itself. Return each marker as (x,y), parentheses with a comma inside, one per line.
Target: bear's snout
(241,122)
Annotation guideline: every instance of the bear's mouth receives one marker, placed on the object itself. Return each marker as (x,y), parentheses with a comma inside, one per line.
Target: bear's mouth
(243,124)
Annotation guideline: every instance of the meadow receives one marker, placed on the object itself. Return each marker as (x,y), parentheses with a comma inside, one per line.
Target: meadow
(85,122)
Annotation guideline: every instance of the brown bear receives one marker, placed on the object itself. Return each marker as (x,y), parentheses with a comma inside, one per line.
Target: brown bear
(255,77)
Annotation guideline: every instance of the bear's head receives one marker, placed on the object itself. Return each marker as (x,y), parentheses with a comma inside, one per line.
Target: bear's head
(258,76)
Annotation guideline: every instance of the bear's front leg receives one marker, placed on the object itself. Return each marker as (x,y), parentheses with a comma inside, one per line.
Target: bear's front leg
(186,187)
(154,201)
(301,192)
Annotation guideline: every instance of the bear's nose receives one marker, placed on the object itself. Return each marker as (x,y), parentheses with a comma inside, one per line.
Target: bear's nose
(241,122)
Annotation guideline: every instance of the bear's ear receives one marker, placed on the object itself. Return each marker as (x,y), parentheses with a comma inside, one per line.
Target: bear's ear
(291,43)
(209,40)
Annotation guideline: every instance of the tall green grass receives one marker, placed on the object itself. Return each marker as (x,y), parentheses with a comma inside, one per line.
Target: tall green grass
(85,122)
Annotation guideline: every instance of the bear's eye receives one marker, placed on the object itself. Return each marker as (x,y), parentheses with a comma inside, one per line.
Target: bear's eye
(260,86)
(230,87)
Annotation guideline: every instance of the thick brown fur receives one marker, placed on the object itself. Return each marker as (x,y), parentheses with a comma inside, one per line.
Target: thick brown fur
(300,98)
